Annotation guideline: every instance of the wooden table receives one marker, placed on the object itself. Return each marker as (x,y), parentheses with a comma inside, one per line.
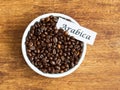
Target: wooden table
(100,69)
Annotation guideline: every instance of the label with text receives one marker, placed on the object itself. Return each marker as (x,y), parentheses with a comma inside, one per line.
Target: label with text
(77,31)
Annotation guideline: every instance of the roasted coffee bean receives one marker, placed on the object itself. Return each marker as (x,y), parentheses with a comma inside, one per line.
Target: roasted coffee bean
(38,51)
(50,44)
(52,62)
(71,64)
(62,67)
(33,28)
(65,54)
(55,58)
(57,67)
(61,71)
(57,55)
(44,70)
(55,40)
(32,48)
(62,58)
(76,62)
(66,65)
(66,69)
(38,42)
(50,49)
(47,19)
(59,46)
(51,58)
(29,54)
(33,62)
(28,50)
(68,57)
(41,56)
(58,61)
(30,43)
(31,58)
(54,51)
(56,31)
(49,69)
(36,57)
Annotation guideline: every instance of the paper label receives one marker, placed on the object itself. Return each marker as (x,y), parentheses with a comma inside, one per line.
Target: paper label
(77,31)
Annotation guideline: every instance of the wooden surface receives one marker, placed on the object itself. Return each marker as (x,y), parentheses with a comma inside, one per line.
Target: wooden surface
(100,69)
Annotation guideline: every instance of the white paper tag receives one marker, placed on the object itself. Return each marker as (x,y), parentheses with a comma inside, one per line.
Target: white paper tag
(77,31)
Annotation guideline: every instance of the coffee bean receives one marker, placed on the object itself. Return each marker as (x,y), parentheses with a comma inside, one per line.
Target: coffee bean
(71,46)
(72,64)
(28,50)
(62,58)
(33,62)
(68,57)
(38,42)
(46,33)
(50,44)
(59,46)
(52,50)
(47,19)
(66,69)
(66,65)
(36,57)
(30,43)
(52,62)
(31,58)
(54,58)
(44,60)
(33,28)
(58,61)
(62,67)
(41,56)
(61,71)
(65,54)
(33,54)
(49,69)
(55,40)
(29,54)
(44,70)
(32,48)
(76,62)
(57,55)
(56,31)
(57,67)
(57,71)
(52,70)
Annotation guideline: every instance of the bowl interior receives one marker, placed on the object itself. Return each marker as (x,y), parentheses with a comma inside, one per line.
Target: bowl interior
(25,53)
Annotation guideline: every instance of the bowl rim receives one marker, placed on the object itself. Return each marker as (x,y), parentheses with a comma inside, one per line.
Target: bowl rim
(23,47)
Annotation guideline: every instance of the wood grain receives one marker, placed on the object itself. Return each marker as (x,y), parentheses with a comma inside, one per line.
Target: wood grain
(100,69)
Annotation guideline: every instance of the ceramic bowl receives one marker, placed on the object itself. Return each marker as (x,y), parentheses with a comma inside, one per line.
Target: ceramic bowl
(25,53)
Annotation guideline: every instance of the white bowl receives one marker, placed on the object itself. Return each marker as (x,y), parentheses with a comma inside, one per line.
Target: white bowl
(25,53)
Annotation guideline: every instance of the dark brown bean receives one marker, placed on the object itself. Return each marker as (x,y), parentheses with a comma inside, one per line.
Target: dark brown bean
(58,61)
(50,44)
(28,50)
(30,44)
(57,67)
(55,40)
(62,58)
(52,62)
(54,51)
(32,48)
(61,71)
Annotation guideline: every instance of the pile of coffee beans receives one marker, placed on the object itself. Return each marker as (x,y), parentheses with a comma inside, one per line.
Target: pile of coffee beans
(50,49)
